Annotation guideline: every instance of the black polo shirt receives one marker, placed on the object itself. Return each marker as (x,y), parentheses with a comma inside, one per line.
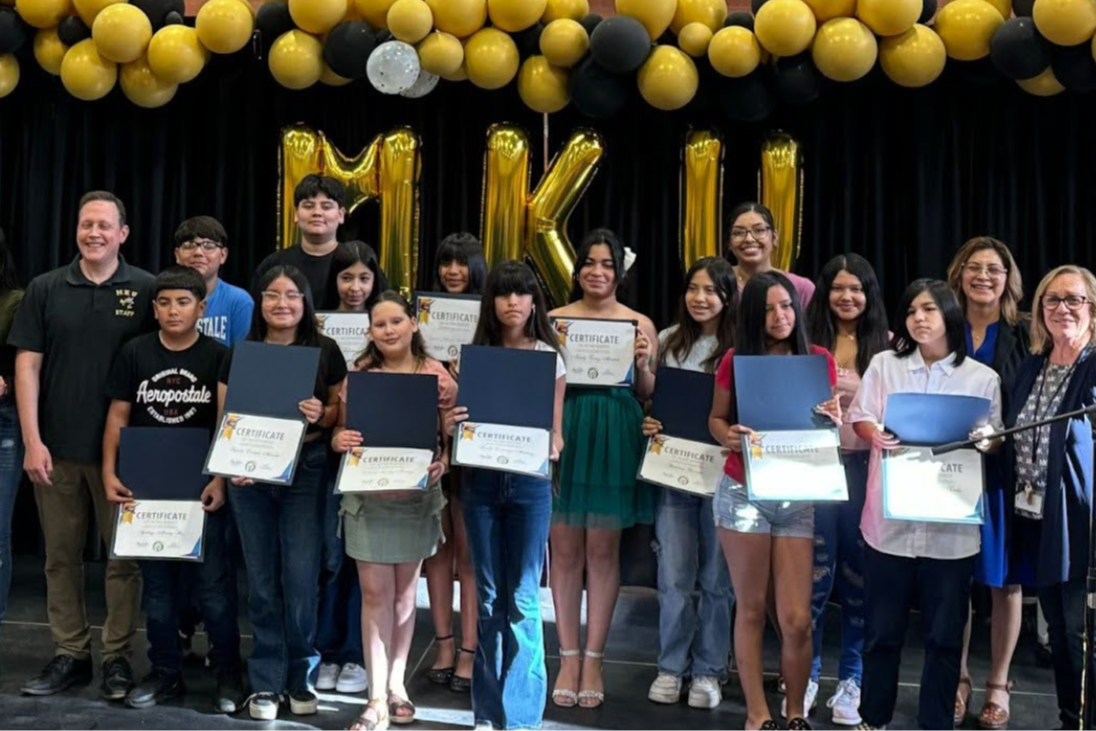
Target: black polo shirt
(79,326)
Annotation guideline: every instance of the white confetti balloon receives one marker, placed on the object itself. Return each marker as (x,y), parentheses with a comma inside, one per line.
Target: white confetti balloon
(393,67)
(423,86)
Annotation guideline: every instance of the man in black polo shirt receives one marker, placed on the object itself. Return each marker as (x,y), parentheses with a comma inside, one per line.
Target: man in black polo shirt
(72,322)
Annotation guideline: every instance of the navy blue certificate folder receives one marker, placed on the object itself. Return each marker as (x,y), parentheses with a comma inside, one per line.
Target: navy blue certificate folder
(393,409)
(158,463)
(779,392)
(271,380)
(931,419)
(508,386)
(683,402)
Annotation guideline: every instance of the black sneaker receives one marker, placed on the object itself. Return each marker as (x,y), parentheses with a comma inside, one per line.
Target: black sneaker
(117,679)
(158,685)
(303,702)
(60,673)
(229,696)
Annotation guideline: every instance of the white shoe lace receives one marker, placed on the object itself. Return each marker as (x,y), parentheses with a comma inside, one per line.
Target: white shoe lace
(845,689)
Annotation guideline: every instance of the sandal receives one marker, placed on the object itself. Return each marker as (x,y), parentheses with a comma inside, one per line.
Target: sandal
(993,717)
(593,698)
(962,702)
(459,683)
(799,724)
(364,723)
(563,697)
(396,705)
(441,676)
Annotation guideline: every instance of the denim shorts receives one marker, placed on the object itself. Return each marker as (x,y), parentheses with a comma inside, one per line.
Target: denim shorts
(734,511)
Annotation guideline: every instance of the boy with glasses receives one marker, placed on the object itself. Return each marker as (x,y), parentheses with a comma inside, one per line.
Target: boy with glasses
(202,244)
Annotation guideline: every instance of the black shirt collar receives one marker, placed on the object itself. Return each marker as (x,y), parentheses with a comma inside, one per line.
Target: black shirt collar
(75,275)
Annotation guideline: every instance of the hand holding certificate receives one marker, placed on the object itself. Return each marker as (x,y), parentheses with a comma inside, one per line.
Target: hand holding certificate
(599,352)
(447,322)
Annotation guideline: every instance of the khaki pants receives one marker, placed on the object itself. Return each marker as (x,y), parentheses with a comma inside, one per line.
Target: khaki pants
(63,509)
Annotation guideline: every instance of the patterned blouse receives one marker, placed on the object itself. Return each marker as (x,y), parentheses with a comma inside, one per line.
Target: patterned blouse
(1033,445)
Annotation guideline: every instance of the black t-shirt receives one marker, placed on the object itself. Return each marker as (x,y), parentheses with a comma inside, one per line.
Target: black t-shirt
(331,373)
(314,269)
(168,387)
(79,326)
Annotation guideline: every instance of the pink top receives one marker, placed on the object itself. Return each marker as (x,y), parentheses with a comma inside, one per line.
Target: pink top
(803,287)
(848,381)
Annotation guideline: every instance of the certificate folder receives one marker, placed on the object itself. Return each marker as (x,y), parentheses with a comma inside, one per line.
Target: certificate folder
(928,419)
(683,402)
(779,392)
(508,386)
(271,380)
(158,463)
(393,409)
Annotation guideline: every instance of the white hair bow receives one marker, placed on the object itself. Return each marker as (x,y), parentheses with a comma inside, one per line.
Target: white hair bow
(629,258)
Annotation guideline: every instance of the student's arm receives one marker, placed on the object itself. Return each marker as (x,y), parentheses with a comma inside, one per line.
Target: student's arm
(343,439)
(866,410)
(646,358)
(28,370)
(331,408)
(117,417)
(727,434)
(557,418)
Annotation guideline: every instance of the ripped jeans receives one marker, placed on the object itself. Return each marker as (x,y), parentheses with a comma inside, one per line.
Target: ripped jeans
(839,559)
(11,472)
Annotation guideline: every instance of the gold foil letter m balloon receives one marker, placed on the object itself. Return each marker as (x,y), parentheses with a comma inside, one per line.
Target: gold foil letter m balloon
(701,196)
(781,190)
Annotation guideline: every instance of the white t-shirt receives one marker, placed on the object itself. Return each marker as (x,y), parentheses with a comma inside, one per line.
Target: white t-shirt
(702,349)
(561,367)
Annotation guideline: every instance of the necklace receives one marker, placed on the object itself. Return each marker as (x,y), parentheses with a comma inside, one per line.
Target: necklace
(1037,437)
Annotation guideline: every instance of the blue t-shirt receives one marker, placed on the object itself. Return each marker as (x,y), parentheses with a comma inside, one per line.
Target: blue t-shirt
(228,314)
(984,354)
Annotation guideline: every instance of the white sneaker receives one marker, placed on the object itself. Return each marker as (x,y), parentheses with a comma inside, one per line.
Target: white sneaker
(810,700)
(846,703)
(352,679)
(263,706)
(704,692)
(329,675)
(665,689)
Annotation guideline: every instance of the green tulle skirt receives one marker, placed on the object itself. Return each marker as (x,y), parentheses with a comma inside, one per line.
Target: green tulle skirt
(603,445)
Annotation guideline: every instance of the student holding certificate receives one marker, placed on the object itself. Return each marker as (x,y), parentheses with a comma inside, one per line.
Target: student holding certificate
(169,379)
(460,269)
(905,559)
(390,534)
(694,641)
(848,318)
(508,517)
(280,525)
(599,495)
(763,539)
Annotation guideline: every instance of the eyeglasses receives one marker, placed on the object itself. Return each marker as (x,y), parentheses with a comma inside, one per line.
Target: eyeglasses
(1072,302)
(276,297)
(205,245)
(740,234)
(992,270)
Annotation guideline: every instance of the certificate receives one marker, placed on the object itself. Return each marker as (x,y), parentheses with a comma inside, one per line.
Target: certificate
(599,352)
(523,450)
(795,465)
(447,321)
(380,469)
(159,529)
(779,393)
(349,330)
(261,448)
(681,464)
(945,488)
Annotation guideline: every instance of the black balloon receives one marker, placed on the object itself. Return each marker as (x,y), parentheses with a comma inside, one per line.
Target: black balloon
(72,30)
(739,18)
(748,99)
(927,11)
(272,20)
(528,40)
(348,47)
(13,31)
(755,5)
(174,18)
(1017,49)
(591,21)
(384,36)
(1074,67)
(796,79)
(1023,8)
(597,93)
(158,10)
(620,44)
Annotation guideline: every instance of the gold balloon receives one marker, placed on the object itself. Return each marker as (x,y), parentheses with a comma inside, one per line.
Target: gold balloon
(564,42)
(441,54)
(491,59)
(1065,22)
(374,12)
(668,79)
(410,20)
(142,87)
(889,17)
(694,39)
(175,54)
(785,27)
(225,26)
(1045,84)
(655,15)
(966,27)
(573,9)
(701,196)
(1004,7)
(317,16)
(734,52)
(296,60)
(505,193)
(89,9)
(461,74)
(462,18)
(829,9)
(9,74)
(43,13)
(514,16)
(399,175)
(711,13)
(122,32)
(542,86)
(844,49)
(782,193)
(86,74)
(914,59)
(330,78)
(49,50)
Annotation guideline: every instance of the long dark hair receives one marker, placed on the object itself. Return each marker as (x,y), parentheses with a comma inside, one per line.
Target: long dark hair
(463,248)
(346,255)
(871,326)
(372,357)
(9,278)
(681,341)
(308,332)
(954,319)
(513,277)
(750,337)
(616,249)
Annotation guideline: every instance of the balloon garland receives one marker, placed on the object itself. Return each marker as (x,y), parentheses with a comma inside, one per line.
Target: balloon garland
(556,51)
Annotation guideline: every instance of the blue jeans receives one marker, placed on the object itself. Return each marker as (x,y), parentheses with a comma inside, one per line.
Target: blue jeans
(281,533)
(164,600)
(339,629)
(507,518)
(839,558)
(11,472)
(693,643)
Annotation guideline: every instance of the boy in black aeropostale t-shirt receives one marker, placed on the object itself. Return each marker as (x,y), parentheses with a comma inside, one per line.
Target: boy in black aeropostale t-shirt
(169,379)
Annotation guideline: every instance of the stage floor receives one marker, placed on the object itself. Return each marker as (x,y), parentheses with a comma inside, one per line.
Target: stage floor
(630,667)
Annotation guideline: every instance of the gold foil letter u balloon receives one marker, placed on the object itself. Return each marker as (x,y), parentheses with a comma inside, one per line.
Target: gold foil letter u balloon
(505,193)
(781,190)
(701,196)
